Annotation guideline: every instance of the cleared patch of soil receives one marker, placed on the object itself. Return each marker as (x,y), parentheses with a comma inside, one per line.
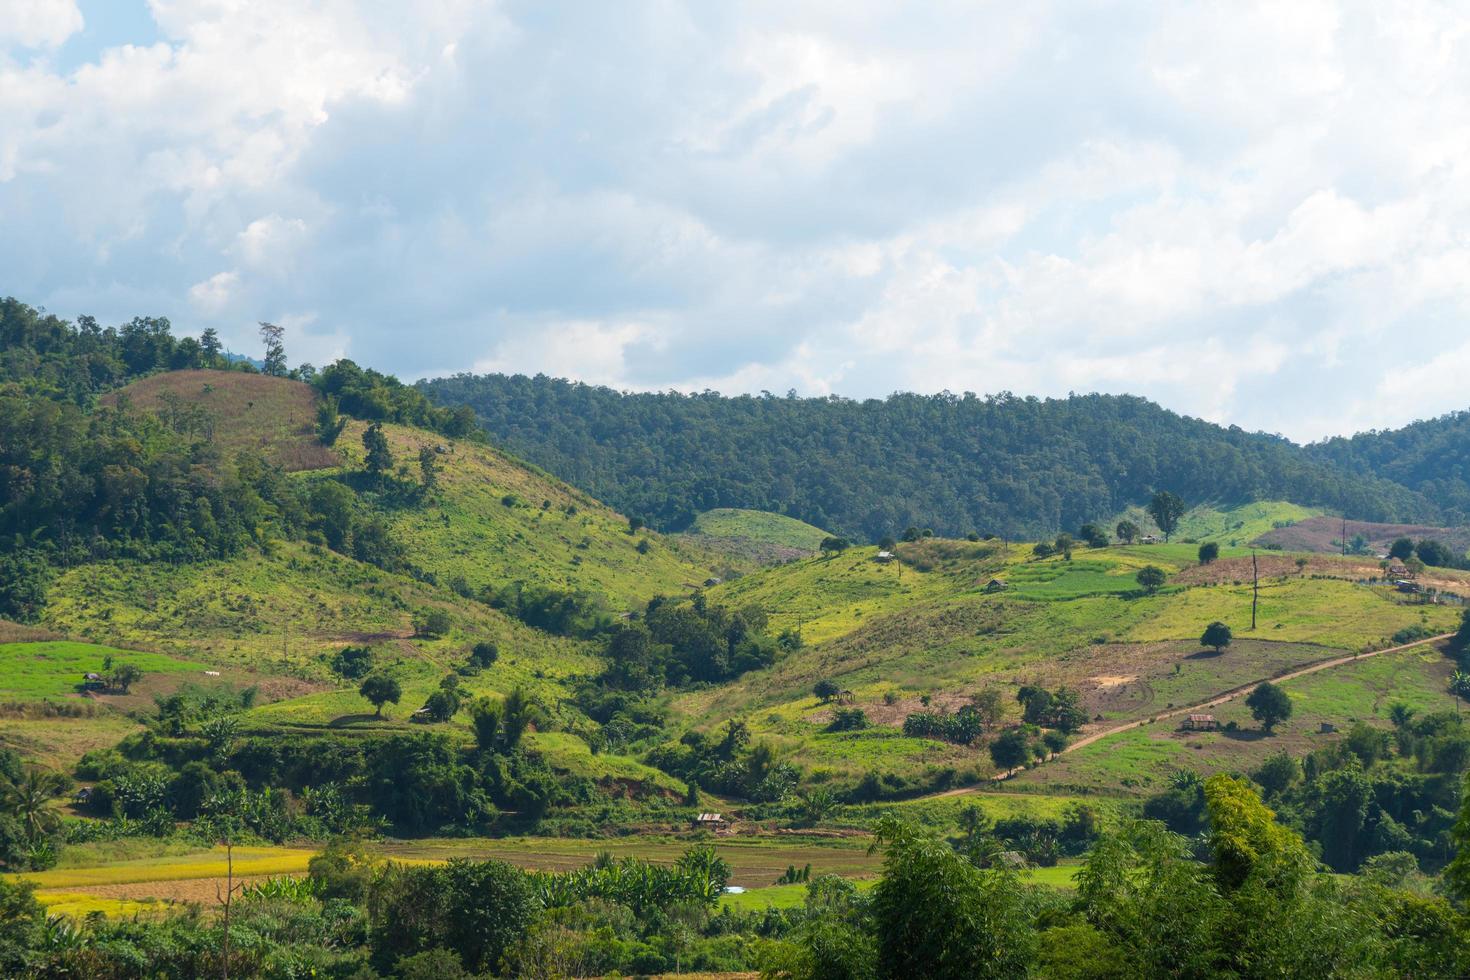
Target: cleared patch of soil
(1319,533)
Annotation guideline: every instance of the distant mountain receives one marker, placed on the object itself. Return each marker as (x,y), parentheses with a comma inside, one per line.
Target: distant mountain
(1431,457)
(1001,464)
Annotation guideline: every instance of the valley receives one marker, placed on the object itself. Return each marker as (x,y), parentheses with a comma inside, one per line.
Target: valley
(332,624)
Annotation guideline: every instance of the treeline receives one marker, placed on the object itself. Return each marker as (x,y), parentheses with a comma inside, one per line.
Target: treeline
(195,764)
(999,464)
(1244,898)
(75,362)
(1431,457)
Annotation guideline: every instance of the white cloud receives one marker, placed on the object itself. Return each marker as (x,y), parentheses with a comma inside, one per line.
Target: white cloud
(215,294)
(38,23)
(1249,211)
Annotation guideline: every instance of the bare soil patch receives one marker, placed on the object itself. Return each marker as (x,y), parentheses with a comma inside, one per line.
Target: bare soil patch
(1320,533)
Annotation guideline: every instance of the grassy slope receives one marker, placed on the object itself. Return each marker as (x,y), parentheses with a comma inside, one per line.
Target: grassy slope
(468,529)
(926,627)
(1141,760)
(759,525)
(1231,526)
(274,416)
(753,536)
(274,619)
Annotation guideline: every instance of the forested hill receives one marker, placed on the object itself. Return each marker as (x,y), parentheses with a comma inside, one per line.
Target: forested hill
(999,464)
(1431,457)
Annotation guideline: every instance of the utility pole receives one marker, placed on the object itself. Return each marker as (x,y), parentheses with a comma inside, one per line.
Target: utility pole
(1255,588)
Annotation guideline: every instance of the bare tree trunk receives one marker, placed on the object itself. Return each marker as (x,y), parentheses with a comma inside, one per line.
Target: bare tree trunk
(229,893)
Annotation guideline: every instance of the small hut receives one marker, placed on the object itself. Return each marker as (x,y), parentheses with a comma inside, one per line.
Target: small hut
(995,585)
(710,821)
(1200,723)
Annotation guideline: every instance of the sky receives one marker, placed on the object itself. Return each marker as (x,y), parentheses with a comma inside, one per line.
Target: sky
(1253,214)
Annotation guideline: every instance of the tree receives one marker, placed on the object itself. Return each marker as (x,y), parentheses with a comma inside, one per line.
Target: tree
(1150,578)
(834,544)
(124,676)
(1035,703)
(272,338)
(1166,509)
(379,459)
(1095,536)
(1460,687)
(1434,554)
(1415,566)
(329,423)
(1010,749)
(1216,635)
(443,705)
(1402,549)
(825,690)
(1270,705)
(990,706)
(380,689)
(1127,531)
(940,917)
(210,347)
(483,655)
(21,923)
(353,663)
(29,798)
(1208,552)
(1064,545)
(428,472)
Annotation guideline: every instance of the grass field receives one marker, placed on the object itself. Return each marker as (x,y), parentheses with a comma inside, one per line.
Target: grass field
(1235,526)
(754,535)
(54,669)
(273,416)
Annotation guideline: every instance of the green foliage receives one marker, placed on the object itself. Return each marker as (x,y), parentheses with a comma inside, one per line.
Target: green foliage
(939,916)
(1270,705)
(1150,578)
(1208,552)
(1020,465)
(1166,508)
(380,689)
(1216,635)
(378,460)
(477,909)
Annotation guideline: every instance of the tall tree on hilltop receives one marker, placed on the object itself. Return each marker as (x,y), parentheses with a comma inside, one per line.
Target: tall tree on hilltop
(273,338)
(210,346)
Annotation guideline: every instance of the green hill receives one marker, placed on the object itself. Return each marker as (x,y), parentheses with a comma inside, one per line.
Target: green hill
(954,463)
(754,535)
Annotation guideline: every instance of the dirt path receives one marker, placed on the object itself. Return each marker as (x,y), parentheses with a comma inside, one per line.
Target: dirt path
(1216,701)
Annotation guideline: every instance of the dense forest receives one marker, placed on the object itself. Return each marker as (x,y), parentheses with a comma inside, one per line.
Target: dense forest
(1431,457)
(1000,464)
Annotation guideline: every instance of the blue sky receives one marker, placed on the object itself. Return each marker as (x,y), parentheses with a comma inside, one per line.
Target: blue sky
(1255,214)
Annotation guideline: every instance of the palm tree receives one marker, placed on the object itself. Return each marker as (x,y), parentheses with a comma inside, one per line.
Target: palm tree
(1459,687)
(29,800)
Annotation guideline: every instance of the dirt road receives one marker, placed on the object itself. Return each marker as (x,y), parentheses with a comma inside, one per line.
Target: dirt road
(1215,701)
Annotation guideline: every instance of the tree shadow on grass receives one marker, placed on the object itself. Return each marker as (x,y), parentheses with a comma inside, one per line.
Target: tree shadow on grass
(1205,655)
(1246,735)
(344,721)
